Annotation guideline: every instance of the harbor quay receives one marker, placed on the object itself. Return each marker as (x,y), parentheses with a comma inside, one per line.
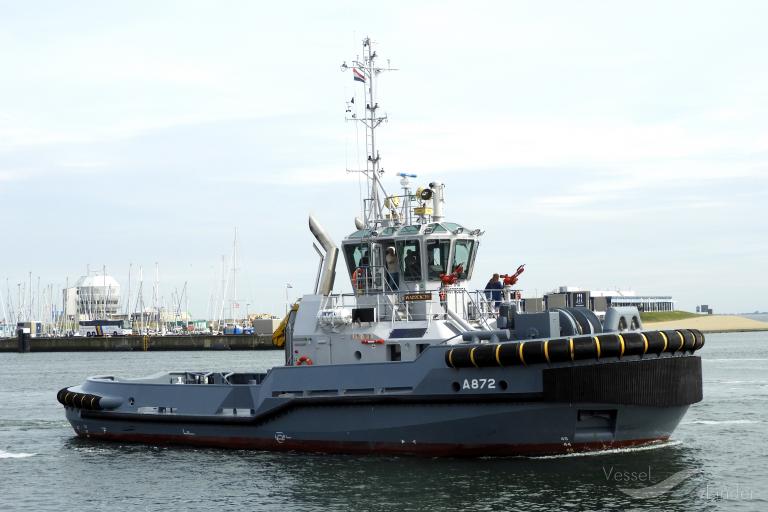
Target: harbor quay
(137,343)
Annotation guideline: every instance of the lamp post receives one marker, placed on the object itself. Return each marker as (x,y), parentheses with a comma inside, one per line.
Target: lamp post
(287,287)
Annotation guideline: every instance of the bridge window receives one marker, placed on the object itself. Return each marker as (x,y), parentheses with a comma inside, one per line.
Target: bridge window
(410,230)
(409,254)
(437,257)
(357,255)
(462,255)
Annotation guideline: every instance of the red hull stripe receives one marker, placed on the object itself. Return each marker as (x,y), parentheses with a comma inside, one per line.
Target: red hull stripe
(427,449)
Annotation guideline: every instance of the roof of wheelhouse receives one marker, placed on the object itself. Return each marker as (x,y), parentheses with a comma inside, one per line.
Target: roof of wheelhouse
(448,228)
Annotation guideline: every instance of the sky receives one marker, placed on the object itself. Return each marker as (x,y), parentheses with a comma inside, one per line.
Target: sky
(603,144)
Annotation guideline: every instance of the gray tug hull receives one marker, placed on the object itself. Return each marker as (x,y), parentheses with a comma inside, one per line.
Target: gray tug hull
(418,407)
(437,430)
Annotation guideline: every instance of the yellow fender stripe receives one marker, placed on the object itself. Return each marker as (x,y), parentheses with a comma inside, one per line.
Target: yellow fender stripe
(621,340)
(645,343)
(520,353)
(682,341)
(597,344)
(546,351)
(472,357)
(498,349)
(664,337)
(93,400)
(450,358)
(570,344)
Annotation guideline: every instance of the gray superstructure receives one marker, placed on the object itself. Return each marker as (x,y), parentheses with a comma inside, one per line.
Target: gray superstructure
(412,361)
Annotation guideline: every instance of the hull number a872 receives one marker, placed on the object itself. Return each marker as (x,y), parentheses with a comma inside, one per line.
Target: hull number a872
(479,384)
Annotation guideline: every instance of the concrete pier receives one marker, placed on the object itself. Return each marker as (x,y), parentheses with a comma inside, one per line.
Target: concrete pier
(139,343)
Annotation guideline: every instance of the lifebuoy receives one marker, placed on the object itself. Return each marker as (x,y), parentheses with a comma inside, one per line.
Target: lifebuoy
(304,360)
(356,278)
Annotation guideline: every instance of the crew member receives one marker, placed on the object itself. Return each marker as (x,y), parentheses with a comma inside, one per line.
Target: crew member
(493,291)
(393,270)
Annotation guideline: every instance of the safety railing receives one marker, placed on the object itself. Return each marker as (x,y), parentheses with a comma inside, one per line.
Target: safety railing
(474,306)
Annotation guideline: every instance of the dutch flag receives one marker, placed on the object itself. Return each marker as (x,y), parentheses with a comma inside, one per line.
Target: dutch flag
(357,75)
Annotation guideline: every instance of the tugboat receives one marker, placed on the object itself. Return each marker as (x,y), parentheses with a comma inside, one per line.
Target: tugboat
(412,361)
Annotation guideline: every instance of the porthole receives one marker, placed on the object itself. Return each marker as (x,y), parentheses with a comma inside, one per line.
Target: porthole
(358,355)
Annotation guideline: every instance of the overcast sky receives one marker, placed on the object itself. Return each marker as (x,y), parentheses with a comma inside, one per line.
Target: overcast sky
(603,144)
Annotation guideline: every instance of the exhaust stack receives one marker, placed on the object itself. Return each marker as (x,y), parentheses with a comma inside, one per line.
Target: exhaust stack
(438,201)
(328,272)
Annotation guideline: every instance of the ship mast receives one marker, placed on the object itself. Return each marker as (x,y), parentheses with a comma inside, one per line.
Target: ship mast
(365,70)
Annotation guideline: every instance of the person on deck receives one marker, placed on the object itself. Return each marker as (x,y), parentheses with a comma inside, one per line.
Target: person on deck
(393,270)
(493,291)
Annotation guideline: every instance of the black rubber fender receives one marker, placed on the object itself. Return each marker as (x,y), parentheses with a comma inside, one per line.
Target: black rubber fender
(458,358)
(675,341)
(690,340)
(584,347)
(610,345)
(484,355)
(699,339)
(533,352)
(86,401)
(634,344)
(656,342)
(559,350)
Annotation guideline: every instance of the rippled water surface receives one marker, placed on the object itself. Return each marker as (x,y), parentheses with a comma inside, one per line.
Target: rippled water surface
(717,460)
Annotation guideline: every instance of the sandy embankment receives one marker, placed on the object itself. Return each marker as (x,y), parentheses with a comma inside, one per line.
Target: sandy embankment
(711,323)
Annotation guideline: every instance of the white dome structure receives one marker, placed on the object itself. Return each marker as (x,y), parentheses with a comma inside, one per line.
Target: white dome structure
(98,296)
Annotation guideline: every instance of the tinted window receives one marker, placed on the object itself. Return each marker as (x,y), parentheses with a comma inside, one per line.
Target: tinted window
(357,255)
(462,255)
(437,258)
(410,230)
(409,256)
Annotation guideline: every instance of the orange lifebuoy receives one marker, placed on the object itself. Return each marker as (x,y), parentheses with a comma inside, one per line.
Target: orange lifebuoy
(356,278)
(304,360)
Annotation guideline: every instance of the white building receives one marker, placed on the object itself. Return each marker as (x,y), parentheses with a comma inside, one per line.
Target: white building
(600,300)
(95,296)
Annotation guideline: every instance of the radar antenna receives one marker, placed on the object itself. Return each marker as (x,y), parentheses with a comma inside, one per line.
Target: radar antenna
(365,70)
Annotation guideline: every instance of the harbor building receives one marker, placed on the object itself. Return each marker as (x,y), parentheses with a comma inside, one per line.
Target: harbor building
(600,300)
(94,296)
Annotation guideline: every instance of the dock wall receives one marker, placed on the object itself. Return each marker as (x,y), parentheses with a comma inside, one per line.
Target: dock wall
(137,343)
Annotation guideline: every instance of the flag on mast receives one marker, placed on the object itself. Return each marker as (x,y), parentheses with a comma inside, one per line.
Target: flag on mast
(357,75)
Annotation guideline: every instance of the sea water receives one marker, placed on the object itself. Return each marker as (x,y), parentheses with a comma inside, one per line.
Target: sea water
(716,460)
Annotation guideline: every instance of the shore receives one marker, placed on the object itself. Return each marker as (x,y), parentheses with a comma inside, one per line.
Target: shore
(711,323)
(139,343)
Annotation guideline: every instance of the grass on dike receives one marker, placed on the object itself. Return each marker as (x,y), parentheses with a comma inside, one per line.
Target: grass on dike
(666,316)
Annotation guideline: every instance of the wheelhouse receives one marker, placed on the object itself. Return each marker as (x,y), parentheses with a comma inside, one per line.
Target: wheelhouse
(422,254)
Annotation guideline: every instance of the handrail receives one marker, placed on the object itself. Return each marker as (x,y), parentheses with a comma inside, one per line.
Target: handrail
(471,305)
